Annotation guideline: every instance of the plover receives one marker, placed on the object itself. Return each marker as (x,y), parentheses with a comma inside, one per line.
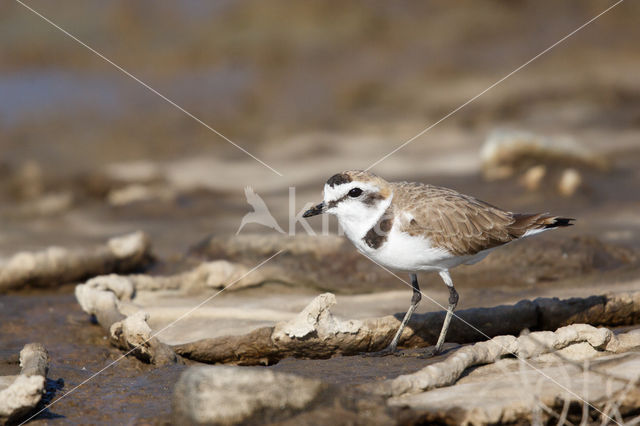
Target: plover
(414,227)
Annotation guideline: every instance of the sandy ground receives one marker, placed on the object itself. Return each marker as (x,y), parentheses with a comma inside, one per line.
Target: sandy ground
(336,88)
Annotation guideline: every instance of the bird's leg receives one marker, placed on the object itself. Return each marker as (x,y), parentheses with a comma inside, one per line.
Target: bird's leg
(415,299)
(453,301)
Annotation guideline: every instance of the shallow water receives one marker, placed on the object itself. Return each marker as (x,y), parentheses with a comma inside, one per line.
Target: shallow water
(128,391)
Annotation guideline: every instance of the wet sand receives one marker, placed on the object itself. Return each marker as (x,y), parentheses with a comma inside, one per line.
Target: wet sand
(339,89)
(78,350)
(134,391)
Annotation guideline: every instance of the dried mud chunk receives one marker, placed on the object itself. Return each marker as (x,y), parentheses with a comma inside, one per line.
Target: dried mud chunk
(230,395)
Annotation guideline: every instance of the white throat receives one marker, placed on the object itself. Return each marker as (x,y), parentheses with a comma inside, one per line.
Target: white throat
(356,218)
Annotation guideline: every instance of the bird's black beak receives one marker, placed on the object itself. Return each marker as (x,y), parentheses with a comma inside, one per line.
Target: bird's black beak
(319,209)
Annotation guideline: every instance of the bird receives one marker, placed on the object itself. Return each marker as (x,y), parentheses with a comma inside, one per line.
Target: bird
(415,227)
(260,213)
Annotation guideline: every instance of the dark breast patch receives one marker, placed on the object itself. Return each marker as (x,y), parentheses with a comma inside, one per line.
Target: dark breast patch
(377,235)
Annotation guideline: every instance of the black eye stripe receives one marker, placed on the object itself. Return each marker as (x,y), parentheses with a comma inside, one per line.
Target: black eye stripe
(334,203)
(372,198)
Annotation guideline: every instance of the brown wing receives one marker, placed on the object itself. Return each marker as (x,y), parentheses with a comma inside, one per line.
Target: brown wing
(461,224)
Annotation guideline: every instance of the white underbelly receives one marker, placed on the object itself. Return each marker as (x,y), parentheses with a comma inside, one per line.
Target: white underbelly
(403,252)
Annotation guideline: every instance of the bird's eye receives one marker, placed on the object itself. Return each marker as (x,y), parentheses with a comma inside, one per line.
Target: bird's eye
(355,192)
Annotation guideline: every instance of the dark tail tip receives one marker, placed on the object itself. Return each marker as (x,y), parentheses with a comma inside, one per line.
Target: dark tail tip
(560,221)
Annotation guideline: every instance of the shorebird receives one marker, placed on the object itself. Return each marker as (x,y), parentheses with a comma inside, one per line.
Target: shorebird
(414,227)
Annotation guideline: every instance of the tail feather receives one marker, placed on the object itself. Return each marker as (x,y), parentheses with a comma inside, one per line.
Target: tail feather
(556,222)
(529,224)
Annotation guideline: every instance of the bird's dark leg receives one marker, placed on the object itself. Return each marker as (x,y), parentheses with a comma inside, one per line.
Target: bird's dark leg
(415,299)
(453,302)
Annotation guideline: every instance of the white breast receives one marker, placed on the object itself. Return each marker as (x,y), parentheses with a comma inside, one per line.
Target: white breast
(404,252)
(400,251)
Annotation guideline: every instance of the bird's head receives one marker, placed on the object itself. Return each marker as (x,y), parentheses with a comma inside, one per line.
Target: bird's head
(354,196)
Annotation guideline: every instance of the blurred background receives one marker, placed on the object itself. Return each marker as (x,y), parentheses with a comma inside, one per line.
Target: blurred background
(311,89)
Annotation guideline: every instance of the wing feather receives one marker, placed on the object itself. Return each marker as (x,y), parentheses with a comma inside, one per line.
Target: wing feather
(461,224)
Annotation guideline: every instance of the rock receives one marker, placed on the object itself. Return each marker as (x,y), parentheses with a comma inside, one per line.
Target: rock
(133,245)
(512,391)
(19,395)
(532,179)
(330,262)
(215,274)
(138,192)
(316,318)
(538,259)
(570,181)
(34,360)
(225,395)
(45,205)
(317,333)
(56,265)
(104,296)
(220,274)
(134,335)
(531,345)
(507,153)
(314,333)
(327,262)
(100,297)
(134,172)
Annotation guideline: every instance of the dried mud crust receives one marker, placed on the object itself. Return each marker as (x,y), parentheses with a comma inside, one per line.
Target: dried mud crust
(20,395)
(317,333)
(77,350)
(72,204)
(331,263)
(56,265)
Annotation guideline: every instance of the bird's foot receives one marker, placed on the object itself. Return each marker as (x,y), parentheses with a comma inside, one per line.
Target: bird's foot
(429,353)
(389,350)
